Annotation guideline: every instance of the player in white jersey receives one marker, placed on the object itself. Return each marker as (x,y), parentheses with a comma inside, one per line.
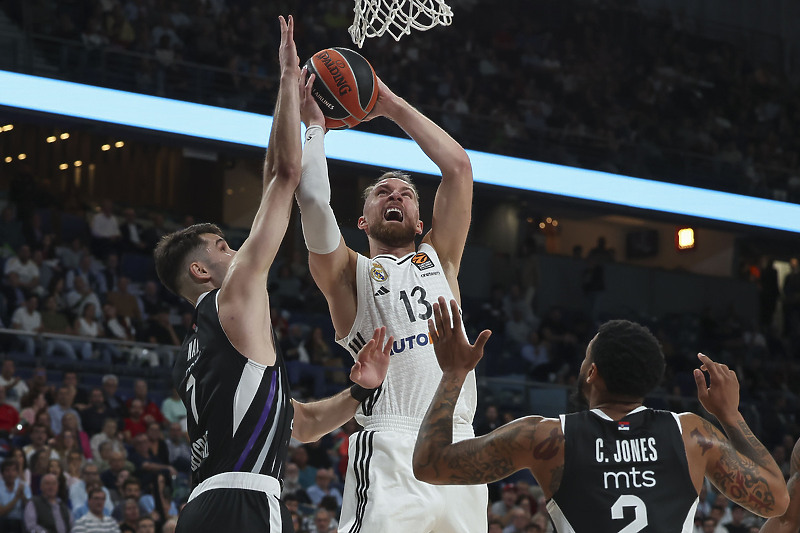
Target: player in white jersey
(395,286)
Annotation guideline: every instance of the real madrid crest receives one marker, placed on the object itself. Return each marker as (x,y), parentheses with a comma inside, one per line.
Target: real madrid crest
(377,272)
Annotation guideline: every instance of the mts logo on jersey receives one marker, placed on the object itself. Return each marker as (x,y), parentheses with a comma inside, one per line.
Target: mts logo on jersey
(641,450)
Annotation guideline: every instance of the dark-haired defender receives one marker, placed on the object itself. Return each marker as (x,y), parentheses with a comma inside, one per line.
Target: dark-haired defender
(618,466)
(229,373)
(395,285)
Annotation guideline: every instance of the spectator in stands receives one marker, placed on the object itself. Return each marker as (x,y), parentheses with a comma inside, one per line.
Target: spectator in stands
(117,327)
(179,451)
(163,506)
(114,402)
(64,400)
(152,302)
(117,463)
(131,490)
(26,269)
(134,424)
(9,416)
(38,382)
(65,443)
(150,408)
(32,403)
(86,270)
(18,455)
(73,465)
(14,493)
(54,467)
(27,318)
(87,325)
(94,415)
(323,486)
(33,231)
(109,433)
(70,256)
(173,409)
(158,330)
(147,463)
(81,296)
(323,522)
(127,304)
(57,290)
(80,396)
(79,492)
(130,514)
(46,512)
(16,388)
(306,473)
(11,235)
(105,231)
(111,274)
(146,524)
(55,321)
(156,444)
(48,270)
(292,486)
(71,422)
(13,296)
(96,520)
(38,441)
(133,237)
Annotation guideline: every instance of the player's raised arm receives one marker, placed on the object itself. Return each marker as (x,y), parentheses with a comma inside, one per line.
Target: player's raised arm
(739,465)
(243,305)
(331,262)
(437,459)
(452,208)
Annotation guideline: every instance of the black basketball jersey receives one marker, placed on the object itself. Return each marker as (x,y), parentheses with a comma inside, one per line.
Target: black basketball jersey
(239,413)
(624,476)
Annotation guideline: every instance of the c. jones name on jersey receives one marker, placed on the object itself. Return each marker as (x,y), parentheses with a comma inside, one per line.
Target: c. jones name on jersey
(625,451)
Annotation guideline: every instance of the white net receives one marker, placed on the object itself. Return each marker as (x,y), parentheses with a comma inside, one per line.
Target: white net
(373,18)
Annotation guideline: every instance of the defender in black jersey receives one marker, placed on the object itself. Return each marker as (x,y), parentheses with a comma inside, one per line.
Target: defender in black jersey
(618,466)
(229,374)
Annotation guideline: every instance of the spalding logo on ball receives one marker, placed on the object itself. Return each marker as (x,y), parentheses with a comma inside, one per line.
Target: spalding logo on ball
(346,87)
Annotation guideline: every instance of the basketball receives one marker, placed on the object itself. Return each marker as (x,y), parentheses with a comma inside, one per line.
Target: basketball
(346,87)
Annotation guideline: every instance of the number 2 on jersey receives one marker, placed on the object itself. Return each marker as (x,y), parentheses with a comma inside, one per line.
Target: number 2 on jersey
(421,300)
(640,510)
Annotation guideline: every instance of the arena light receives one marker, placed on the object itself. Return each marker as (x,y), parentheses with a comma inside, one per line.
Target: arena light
(63,166)
(78,163)
(64,136)
(239,127)
(51,139)
(9,159)
(105,147)
(119,144)
(684,238)
(22,156)
(7,127)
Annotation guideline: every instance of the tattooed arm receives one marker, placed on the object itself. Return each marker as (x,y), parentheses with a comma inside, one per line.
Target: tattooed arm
(531,442)
(739,465)
(789,522)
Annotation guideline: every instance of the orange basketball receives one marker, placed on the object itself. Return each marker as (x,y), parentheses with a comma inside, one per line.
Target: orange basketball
(346,87)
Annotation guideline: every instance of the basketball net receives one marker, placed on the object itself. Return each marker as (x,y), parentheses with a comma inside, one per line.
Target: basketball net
(373,18)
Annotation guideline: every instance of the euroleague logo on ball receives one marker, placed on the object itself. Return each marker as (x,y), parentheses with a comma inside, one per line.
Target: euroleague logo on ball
(336,70)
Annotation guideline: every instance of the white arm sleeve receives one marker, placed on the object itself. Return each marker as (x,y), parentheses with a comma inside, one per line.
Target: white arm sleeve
(313,195)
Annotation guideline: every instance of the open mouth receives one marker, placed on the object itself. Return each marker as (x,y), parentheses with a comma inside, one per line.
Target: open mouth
(393,214)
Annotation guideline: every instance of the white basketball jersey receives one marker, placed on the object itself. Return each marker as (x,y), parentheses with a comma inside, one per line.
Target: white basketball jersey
(399,293)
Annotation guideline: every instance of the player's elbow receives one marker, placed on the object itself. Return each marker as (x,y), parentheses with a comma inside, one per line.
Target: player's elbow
(423,470)
(782,501)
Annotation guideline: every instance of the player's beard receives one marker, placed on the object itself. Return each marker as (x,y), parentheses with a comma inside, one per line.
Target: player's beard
(393,235)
